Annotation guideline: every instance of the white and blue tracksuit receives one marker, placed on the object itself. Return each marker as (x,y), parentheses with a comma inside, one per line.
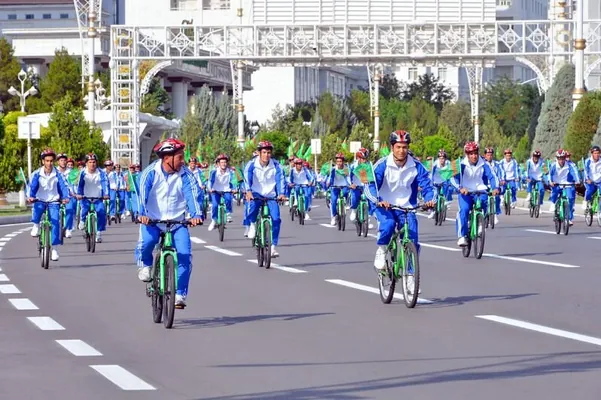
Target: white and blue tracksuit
(117,189)
(399,187)
(221,181)
(71,206)
(566,175)
(93,184)
(474,178)
(437,179)
(265,182)
(534,172)
(339,183)
(48,188)
(592,172)
(497,171)
(511,176)
(303,177)
(166,196)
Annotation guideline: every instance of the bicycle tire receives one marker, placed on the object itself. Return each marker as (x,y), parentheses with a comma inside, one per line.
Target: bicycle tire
(599,218)
(338,219)
(156,299)
(387,295)
(588,216)
(267,243)
(566,217)
(301,211)
(221,226)
(169,295)
(359,226)
(411,254)
(292,212)
(480,238)
(61,223)
(365,219)
(531,210)
(343,217)
(537,211)
(46,250)
(92,233)
(259,249)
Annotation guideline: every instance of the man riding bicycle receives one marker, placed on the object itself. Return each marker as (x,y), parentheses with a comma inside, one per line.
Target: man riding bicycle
(221,180)
(534,176)
(300,175)
(93,183)
(65,170)
(167,190)
(48,185)
(592,175)
(264,178)
(357,186)
(563,172)
(340,179)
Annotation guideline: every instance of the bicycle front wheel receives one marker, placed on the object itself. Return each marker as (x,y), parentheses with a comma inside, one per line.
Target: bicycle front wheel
(588,216)
(46,248)
(267,243)
(92,233)
(342,215)
(410,275)
(169,295)
(566,218)
(221,221)
(365,213)
(480,237)
(156,297)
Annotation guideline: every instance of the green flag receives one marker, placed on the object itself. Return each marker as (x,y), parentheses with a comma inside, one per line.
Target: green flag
(187,154)
(344,171)
(446,172)
(325,169)
(131,183)
(427,165)
(365,172)
(384,151)
(344,145)
(301,151)
(291,148)
(198,149)
(307,155)
(74,176)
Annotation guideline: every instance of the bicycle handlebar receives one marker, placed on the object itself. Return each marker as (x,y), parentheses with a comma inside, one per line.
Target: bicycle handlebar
(93,198)
(168,222)
(408,209)
(46,202)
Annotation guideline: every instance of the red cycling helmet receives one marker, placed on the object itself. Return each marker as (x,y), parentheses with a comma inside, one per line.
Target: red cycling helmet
(306,164)
(339,155)
(568,154)
(442,153)
(489,150)
(47,152)
(169,146)
(204,165)
(222,157)
(298,161)
(265,144)
(70,160)
(536,153)
(108,163)
(61,155)
(471,147)
(595,148)
(399,136)
(91,156)
(561,153)
(361,154)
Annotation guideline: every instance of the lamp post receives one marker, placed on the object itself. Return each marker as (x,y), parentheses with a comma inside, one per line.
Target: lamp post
(254,129)
(100,98)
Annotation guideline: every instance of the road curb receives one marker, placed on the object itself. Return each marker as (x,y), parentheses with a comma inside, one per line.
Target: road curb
(14,219)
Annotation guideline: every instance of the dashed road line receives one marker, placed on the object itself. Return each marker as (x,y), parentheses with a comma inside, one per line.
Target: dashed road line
(6,238)
(46,323)
(282,268)
(79,348)
(594,237)
(197,240)
(327,225)
(23,304)
(9,289)
(4,278)
(122,377)
(540,231)
(370,289)
(224,251)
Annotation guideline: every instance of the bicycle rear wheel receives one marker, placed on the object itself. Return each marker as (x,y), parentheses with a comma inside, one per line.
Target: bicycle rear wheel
(259,249)
(61,221)
(267,243)
(566,218)
(93,233)
(557,219)
(156,299)
(46,248)
(169,295)
(537,211)
(301,211)
(588,216)
(480,237)
(221,226)
(386,279)
(411,263)
(343,218)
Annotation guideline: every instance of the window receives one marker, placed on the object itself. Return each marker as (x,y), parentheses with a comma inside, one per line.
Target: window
(181,5)
(12,17)
(29,16)
(412,74)
(47,16)
(442,74)
(64,16)
(215,4)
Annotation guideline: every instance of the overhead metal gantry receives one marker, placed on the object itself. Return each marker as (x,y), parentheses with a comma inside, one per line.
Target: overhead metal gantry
(474,45)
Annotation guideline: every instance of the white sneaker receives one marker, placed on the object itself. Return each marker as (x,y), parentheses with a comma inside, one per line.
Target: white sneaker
(246,229)
(496,220)
(380,259)
(528,198)
(54,255)
(252,231)
(333,221)
(144,274)
(127,213)
(35,230)
(82,225)
(274,253)
(353,215)
(462,242)
(513,203)
(180,301)
(431,216)
(211,226)
(411,285)
(552,208)
(584,205)
(307,217)
(68,233)
(229,217)
(287,203)
(98,237)
(571,223)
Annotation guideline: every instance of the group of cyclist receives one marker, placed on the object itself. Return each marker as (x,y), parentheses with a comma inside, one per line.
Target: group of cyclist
(167,189)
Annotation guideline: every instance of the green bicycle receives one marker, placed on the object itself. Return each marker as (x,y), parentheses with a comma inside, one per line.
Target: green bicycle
(476,228)
(328,198)
(507,199)
(562,211)
(221,216)
(45,238)
(107,207)
(299,203)
(534,206)
(91,227)
(402,262)
(492,210)
(264,236)
(163,286)
(440,212)
(362,220)
(62,220)
(592,209)
(341,209)
(292,203)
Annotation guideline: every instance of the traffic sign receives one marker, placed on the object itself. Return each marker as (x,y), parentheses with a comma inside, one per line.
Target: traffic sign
(315,146)
(29,128)
(355,146)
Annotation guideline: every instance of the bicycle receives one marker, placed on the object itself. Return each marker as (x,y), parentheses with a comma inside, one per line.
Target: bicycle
(62,220)
(476,229)
(91,227)
(292,203)
(299,206)
(534,206)
(440,212)
(592,209)
(117,207)
(507,199)
(562,211)
(163,286)
(264,235)
(492,210)
(341,209)
(402,261)
(221,216)
(362,219)
(107,207)
(45,238)
(328,197)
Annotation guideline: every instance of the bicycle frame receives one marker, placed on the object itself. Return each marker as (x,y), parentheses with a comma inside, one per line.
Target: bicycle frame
(262,216)
(166,246)
(474,212)
(400,263)
(362,201)
(45,221)
(563,198)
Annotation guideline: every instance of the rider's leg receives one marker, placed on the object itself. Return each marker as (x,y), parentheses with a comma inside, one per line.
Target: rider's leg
(121,194)
(84,207)
(386,227)
(274,211)
(461,222)
(54,216)
(112,202)
(215,199)
(571,195)
(228,202)
(183,246)
(148,238)
(334,202)
(101,212)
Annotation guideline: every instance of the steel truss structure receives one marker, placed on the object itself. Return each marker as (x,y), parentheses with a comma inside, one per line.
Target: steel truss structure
(474,45)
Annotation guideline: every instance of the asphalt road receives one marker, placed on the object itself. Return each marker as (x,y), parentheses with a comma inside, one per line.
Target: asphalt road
(521,322)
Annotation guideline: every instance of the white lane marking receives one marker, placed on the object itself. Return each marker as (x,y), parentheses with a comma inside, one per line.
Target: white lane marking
(46,323)
(122,377)
(79,348)
(540,231)
(327,225)
(370,289)
(546,212)
(317,206)
(283,268)
(23,304)
(5,239)
(594,237)
(12,235)
(435,246)
(2,243)
(0,269)
(197,240)
(19,224)
(9,289)
(541,329)
(224,251)
(4,278)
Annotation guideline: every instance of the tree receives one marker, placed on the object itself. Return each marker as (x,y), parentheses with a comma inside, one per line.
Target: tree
(423,114)
(390,87)
(154,101)
(336,114)
(492,134)
(9,69)
(63,78)
(13,152)
(458,117)
(360,105)
(583,125)
(360,133)
(72,134)
(555,112)
(394,114)
(522,150)
(434,143)
(428,88)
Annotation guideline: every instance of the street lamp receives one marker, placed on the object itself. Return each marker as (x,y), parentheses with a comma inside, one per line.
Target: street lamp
(254,129)
(100,98)
(22,75)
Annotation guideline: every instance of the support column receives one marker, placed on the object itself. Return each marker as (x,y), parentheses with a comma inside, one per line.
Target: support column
(376,101)
(579,46)
(91,39)
(240,105)
(179,96)
(474,76)
(197,87)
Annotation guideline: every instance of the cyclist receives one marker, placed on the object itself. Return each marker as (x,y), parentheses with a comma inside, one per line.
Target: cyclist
(64,169)
(167,190)
(398,177)
(300,175)
(475,175)
(592,175)
(264,177)
(563,172)
(93,183)
(442,164)
(118,176)
(356,184)
(497,171)
(339,177)
(48,184)
(512,176)
(114,185)
(534,172)
(221,180)
(246,221)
